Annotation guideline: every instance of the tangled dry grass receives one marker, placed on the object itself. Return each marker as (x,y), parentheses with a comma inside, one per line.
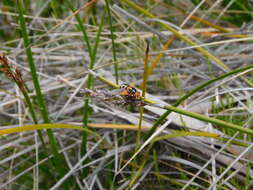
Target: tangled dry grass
(191,42)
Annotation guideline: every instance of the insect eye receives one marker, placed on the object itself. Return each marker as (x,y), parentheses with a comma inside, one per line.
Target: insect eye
(123,86)
(132,90)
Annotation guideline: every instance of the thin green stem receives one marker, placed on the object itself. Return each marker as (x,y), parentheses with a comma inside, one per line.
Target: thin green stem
(89,84)
(86,39)
(90,81)
(92,55)
(113,44)
(82,28)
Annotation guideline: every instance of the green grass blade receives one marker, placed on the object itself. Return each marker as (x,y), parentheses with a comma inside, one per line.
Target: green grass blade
(198,88)
(97,40)
(82,28)
(113,44)
(39,96)
(92,55)
(89,84)
(208,119)
(31,63)
(86,39)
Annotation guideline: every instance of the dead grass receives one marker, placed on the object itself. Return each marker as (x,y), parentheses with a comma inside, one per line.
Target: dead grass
(61,58)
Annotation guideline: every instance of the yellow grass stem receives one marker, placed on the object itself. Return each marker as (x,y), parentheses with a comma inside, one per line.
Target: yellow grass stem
(42,126)
(185,133)
(69,126)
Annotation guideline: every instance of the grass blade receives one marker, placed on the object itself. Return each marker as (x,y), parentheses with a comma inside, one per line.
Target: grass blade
(82,28)
(58,159)
(113,44)
(43,126)
(144,87)
(89,83)
(211,120)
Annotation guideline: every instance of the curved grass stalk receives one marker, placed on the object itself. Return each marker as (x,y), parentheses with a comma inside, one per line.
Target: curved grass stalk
(208,119)
(193,91)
